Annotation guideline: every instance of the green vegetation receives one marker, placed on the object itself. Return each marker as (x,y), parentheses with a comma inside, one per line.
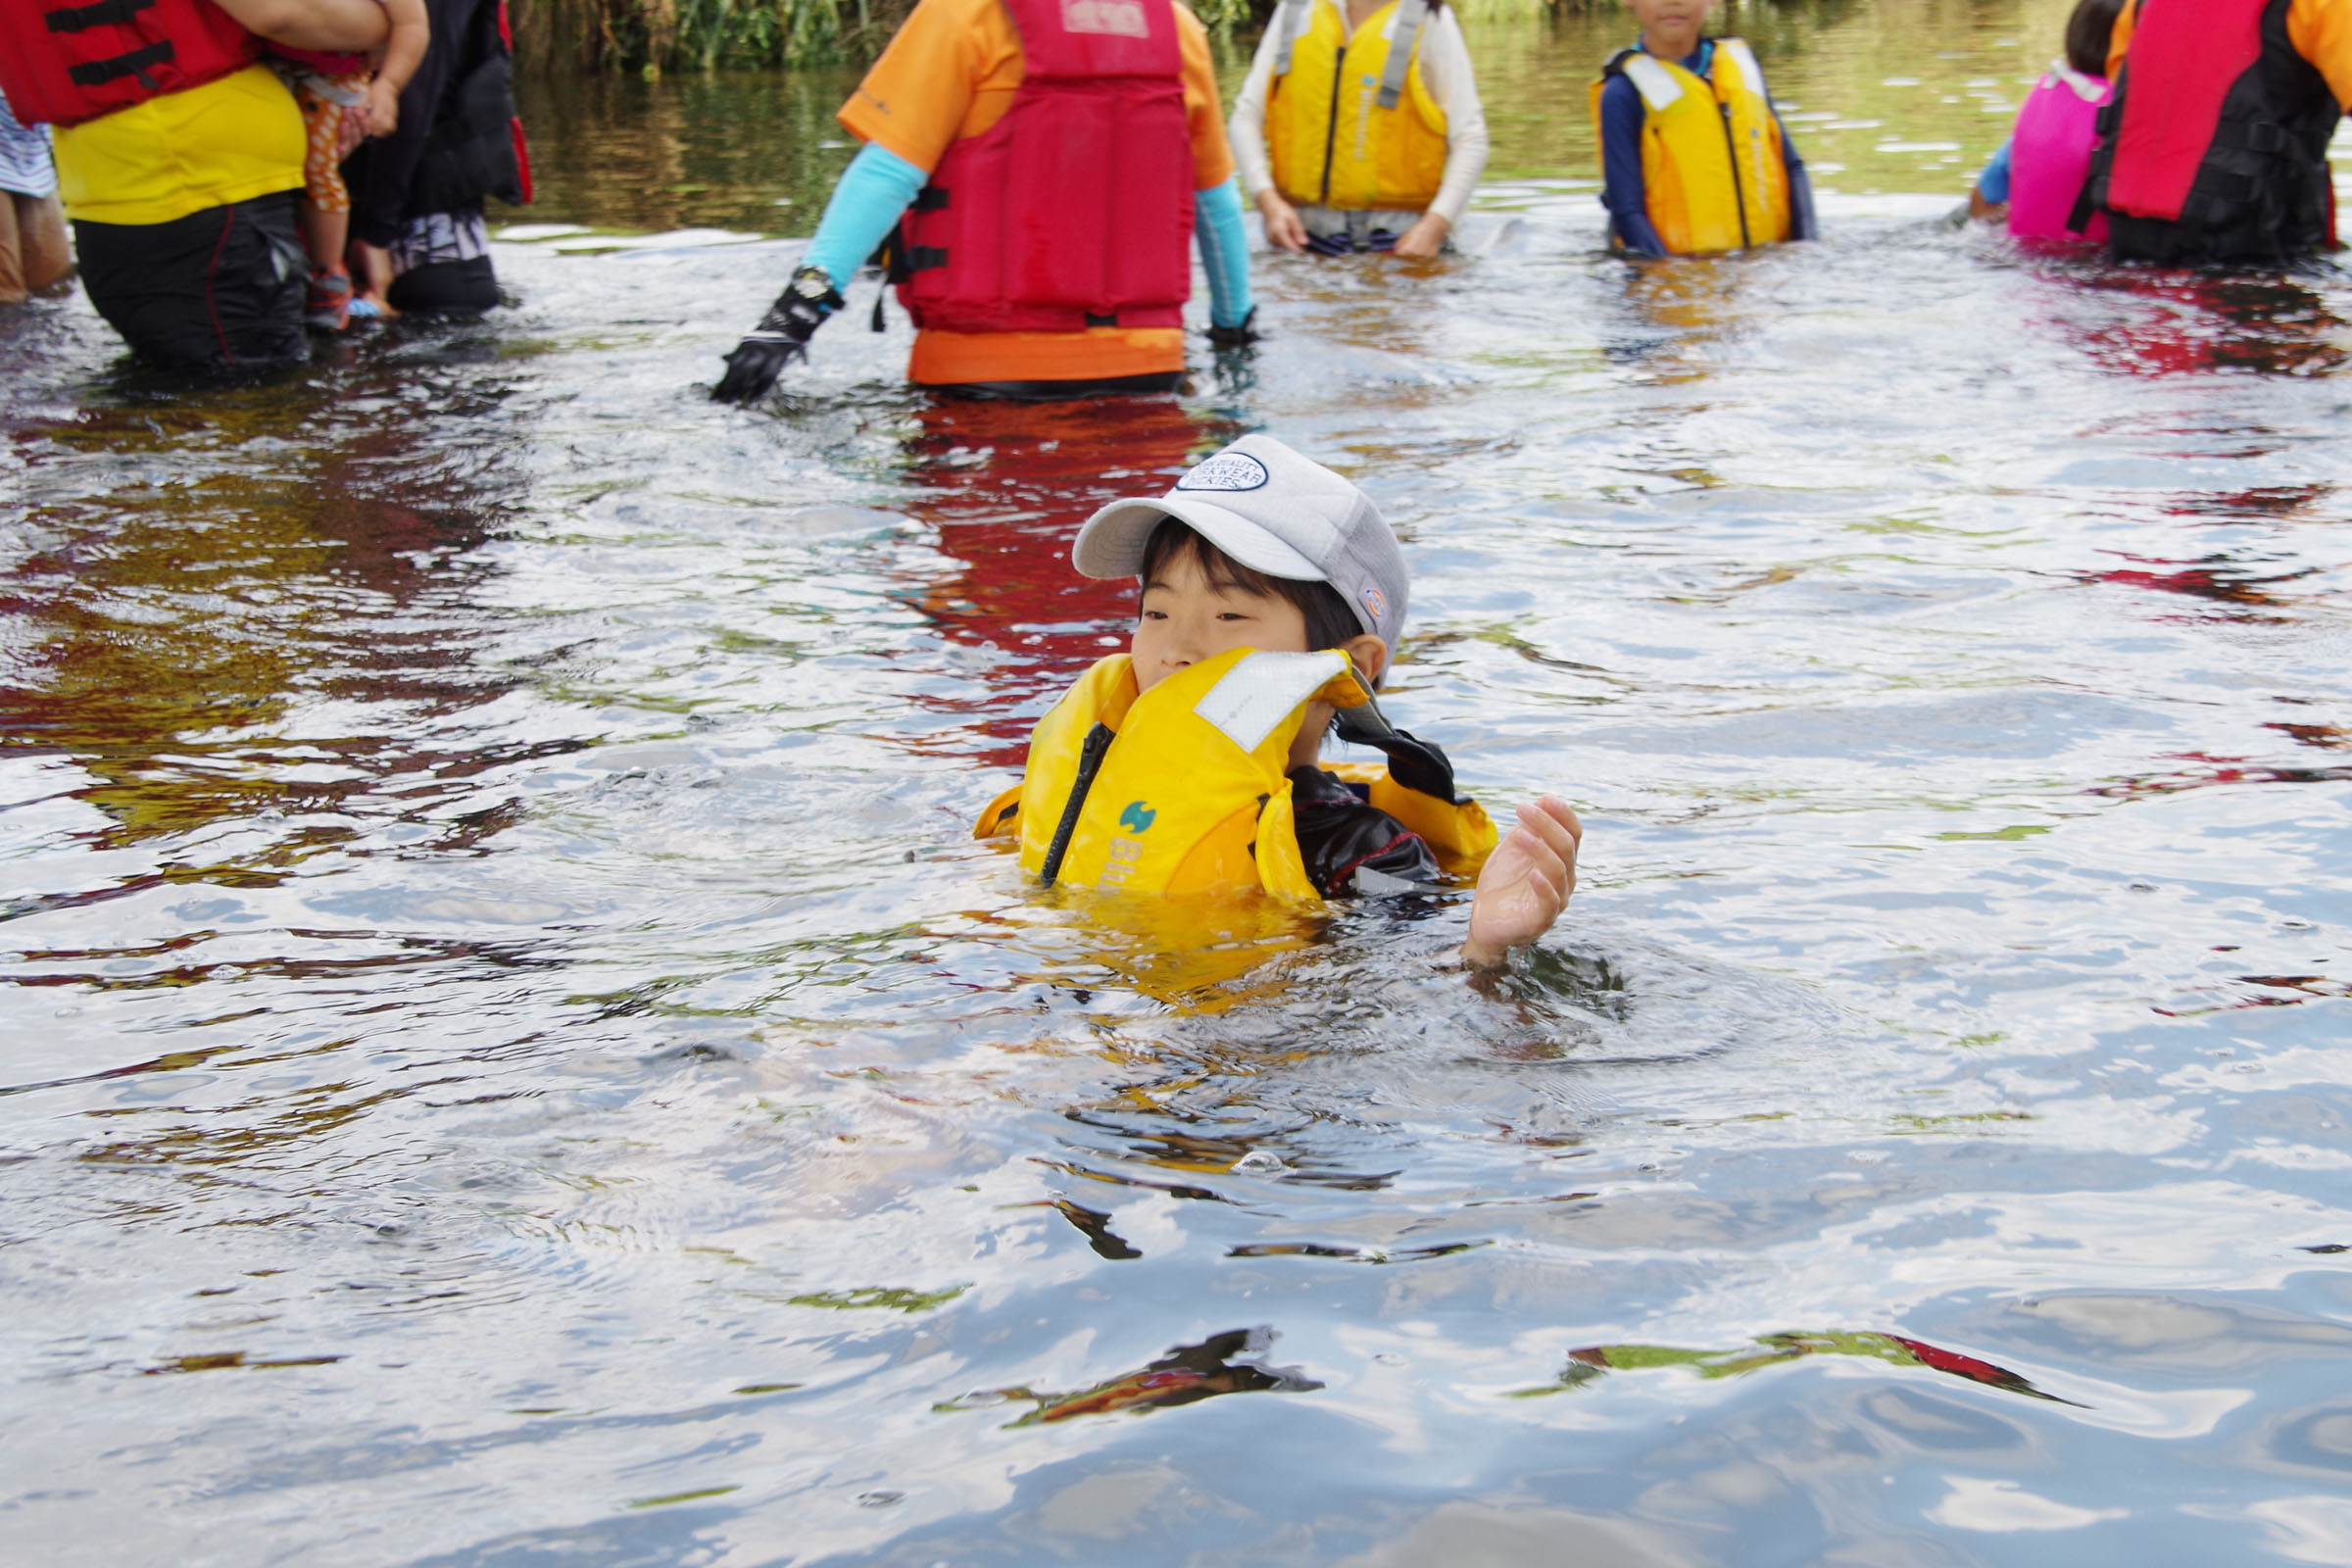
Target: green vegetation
(657,36)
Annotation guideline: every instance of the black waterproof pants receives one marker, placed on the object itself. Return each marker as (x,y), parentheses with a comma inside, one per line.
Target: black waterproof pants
(218,290)
(436,287)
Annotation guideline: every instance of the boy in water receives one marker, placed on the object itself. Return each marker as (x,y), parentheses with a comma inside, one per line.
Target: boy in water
(1272,595)
(1694,159)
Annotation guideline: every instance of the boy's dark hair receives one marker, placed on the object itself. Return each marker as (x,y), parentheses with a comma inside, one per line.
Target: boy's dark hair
(2088,31)
(1330,623)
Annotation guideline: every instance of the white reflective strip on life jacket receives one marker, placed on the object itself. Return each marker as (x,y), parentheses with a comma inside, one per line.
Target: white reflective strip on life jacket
(1288,23)
(1655,82)
(1262,689)
(1751,75)
(1402,36)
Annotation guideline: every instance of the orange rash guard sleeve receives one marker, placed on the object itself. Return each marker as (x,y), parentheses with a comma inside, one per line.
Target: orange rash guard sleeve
(2321,32)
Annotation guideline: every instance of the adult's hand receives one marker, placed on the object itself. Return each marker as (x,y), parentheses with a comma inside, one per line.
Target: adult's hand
(342,25)
(1525,883)
(1284,230)
(754,365)
(781,337)
(1421,241)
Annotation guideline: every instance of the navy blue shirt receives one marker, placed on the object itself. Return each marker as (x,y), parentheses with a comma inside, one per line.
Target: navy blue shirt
(1626,194)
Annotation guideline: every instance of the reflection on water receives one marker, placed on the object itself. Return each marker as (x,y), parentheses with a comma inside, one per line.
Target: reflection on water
(1004,486)
(1223,1363)
(499,980)
(1776,1349)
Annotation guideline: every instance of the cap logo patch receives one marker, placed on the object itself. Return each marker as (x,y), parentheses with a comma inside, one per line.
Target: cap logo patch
(1376,603)
(1118,18)
(1227,470)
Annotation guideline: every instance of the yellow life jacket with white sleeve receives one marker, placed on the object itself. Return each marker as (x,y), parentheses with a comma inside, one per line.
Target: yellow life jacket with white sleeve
(1713,172)
(1185,788)
(1350,122)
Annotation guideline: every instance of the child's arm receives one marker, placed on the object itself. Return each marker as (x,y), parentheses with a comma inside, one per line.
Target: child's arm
(1525,884)
(1802,224)
(1988,198)
(403,52)
(1623,190)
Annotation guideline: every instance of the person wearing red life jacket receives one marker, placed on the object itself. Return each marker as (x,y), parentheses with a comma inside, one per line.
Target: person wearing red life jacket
(1047,165)
(2215,144)
(178,157)
(2032,182)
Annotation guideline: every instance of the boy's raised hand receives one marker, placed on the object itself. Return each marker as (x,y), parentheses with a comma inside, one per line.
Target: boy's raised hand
(1526,882)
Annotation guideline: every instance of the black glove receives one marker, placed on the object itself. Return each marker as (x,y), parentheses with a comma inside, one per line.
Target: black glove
(781,337)
(1235,338)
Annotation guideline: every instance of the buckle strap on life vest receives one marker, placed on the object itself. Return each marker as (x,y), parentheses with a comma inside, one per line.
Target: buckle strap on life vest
(2253,135)
(137,62)
(1402,37)
(1417,765)
(105,13)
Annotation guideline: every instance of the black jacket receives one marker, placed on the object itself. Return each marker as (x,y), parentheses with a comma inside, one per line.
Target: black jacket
(455,141)
(1341,833)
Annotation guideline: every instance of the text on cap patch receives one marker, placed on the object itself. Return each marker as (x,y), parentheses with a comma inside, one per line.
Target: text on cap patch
(1227,470)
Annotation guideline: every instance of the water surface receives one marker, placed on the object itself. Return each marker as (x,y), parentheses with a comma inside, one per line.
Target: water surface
(512,1058)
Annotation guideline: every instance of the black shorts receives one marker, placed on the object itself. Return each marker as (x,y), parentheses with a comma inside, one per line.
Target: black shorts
(466,286)
(217,290)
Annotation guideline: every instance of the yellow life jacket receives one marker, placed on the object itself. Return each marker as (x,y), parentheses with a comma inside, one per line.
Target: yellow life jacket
(1712,168)
(1350,122)
(1185,788)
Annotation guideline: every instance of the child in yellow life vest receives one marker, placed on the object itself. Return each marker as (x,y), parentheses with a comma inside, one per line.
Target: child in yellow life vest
(1272,596)
(1694,159)
(1358,128)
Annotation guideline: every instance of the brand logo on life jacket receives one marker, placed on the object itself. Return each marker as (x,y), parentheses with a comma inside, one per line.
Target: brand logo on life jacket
(1138,817)
(1118,18)
(1227,470)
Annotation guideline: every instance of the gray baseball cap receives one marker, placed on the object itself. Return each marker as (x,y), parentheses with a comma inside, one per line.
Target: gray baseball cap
(1274,512)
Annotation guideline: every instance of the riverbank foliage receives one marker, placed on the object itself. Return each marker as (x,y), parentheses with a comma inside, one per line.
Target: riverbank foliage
(705,34)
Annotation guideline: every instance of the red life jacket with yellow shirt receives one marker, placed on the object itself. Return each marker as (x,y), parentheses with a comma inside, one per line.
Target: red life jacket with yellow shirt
(65,64)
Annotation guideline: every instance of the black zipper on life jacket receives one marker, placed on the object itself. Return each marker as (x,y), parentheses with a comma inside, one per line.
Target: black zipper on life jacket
(1731,151)
(1331,131)
(1091,753)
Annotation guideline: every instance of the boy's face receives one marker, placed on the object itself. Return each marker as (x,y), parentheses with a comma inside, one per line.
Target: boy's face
(1670,17)
(1186,618)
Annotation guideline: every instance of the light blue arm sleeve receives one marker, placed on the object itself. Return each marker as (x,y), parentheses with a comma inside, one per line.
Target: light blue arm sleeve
(873,191)
(1994,183)
(1224,252)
